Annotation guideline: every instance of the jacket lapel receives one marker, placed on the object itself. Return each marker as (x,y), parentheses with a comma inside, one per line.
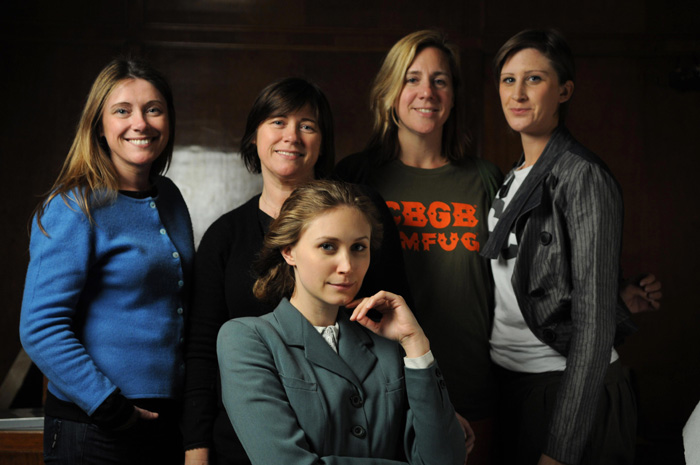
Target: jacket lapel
(529,195)
(297,331)
(353,347)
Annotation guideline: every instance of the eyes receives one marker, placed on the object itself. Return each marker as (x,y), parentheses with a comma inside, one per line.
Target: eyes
(439,82)
(306,126)
(532,78)
(331,247)
(125,111)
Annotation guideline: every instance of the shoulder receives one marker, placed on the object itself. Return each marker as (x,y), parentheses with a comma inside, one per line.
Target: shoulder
(354,168)
(580,164)
(237,223)
(239,333)
(491,171)
(62,212)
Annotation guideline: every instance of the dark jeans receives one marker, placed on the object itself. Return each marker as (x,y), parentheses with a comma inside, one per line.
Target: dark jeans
(149,442)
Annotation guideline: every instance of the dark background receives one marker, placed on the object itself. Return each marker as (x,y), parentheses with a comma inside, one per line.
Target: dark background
(636,104)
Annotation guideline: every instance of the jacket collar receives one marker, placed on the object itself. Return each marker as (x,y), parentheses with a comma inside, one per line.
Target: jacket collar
(527,196)
(353,343)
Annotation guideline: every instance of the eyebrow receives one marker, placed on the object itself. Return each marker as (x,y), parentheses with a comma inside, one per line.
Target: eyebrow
(435,73)
(543,71)
(313,120)
(150,102)
(330,238)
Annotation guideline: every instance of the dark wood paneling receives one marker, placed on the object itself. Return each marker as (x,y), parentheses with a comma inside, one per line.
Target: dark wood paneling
(219,54)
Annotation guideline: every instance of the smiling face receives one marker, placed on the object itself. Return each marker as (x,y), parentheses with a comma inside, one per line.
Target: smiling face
(531,93)
(427,96)
(136,127)
(330,260)
(289,145)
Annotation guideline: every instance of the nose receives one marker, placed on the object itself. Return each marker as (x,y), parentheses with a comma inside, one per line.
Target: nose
(427,90)
(519,94)
(291,134)
(345,264)
(138,122)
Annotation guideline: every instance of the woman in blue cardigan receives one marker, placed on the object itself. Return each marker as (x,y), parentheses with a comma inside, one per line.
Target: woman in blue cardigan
(311,383)
(107,284)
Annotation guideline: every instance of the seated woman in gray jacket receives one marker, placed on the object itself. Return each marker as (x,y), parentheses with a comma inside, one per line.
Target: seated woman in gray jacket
(311,383)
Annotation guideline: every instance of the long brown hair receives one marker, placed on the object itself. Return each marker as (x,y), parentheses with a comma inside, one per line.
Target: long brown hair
(88,170)
(306,202)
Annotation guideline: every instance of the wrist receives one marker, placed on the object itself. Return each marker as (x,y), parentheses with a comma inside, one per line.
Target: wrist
(415,345)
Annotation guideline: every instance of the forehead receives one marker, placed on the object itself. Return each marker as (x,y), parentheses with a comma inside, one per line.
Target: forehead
(133,89)
(527,59)
(431,57)
(287,107)
(342,220)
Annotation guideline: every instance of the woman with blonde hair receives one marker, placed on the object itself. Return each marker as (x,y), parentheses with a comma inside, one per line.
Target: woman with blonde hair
(418,160)
(312,383)
(108,280)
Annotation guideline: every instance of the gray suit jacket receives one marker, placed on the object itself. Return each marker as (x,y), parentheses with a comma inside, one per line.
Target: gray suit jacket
(568,217)
(293,400)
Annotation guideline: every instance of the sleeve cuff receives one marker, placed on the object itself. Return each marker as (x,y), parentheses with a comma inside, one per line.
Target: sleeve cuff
(420,363)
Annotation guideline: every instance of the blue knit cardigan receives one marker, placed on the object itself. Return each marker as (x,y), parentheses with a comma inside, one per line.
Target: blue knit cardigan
(104,303)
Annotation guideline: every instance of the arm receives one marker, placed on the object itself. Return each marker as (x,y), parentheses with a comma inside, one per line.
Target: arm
(592,207)
(433,433)
(208,313)
(57,274)
(257,403)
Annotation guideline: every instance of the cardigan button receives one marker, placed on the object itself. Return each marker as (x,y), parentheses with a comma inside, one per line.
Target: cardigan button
(548,335)
(356,401)
(438,373)
(359,432)
(545,238)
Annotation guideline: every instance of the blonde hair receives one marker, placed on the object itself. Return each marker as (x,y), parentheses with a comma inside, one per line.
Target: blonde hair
(88,168)
(306,202)
(389,83)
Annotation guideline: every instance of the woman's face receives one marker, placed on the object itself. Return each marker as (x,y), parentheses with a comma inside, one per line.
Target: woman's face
(427,96)
(531,93)
(135,124)
(289,145)
(330,259)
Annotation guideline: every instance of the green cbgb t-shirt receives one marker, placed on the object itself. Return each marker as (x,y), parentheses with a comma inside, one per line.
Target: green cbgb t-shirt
(441,215)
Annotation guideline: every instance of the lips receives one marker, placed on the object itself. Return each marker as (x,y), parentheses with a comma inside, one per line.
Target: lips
(519,111)
(342,286)
(141,142)
(289,153)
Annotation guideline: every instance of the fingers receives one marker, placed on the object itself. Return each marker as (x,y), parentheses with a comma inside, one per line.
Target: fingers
(379,301)
(145,414)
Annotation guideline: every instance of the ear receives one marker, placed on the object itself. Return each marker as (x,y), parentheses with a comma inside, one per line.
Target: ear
(566,91)
(288,256)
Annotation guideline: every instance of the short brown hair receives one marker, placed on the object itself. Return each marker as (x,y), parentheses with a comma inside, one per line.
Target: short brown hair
(551,44)
(283,97)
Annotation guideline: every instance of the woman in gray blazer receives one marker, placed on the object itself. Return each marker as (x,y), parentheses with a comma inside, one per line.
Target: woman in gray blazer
(556,232)
(310,383)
